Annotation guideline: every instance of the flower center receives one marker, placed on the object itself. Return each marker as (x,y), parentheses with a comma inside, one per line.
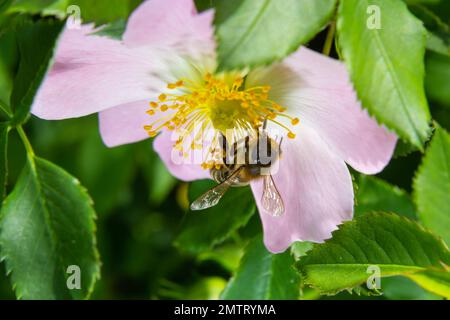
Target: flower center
(220,101)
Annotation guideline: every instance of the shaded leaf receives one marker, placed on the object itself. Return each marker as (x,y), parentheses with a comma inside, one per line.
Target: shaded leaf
(437,79)
(377,195)
(159,179)
(438,39)
(263,275)
(436,44)
(401,288)
(203,229)
(106,172)
(8,65)
(4,4)
(36,42)
(47,225)
(114,30)
(4,131)
(203,5)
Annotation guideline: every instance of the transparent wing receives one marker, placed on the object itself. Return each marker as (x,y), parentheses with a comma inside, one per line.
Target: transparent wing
(212,196)
(271,199)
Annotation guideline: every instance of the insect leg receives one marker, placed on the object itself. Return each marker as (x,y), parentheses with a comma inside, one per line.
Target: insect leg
(247,149)
(224,143)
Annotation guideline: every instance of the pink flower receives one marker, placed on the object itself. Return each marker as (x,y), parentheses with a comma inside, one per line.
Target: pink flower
(167,57)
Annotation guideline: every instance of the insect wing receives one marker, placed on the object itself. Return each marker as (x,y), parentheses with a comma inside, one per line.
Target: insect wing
(271,199)
(211,197)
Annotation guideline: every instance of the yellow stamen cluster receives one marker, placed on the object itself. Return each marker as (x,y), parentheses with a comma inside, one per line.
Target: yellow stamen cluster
(221,102)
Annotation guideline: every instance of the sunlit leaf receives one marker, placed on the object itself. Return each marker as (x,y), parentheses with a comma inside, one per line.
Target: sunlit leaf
(256,32)
(394,244)
(44,7)
(432,186)
(383,45)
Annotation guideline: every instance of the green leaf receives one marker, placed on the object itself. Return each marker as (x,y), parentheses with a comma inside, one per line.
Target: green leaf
(113,30)
(36,42)
(160,181)
(263,276)
(106,172)
(437,79)
(4,4)
(47,225)
(8,66)
(396,245)
(203,5)
(414,2)
(300,248)
(437,44)
(44,7)
(401,288)
(105,11)
(257,32)
(386,64)
(438,38)
(202,230)
(377,195)
(403,149)
(432,186)
(4,132)
(433,281)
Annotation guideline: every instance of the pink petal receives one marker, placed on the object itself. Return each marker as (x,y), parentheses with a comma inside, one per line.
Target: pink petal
(317,191)
(172,23)
(93,73)
(125,123)
(163,145)
(317,89)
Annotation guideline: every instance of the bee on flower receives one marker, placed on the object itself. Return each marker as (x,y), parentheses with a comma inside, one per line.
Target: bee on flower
(161,81)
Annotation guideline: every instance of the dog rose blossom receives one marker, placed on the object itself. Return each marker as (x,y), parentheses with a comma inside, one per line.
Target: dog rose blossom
(161,79)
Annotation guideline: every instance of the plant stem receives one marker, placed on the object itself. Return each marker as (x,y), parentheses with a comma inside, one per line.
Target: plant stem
(25,141)
(4,107)
(329,40)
